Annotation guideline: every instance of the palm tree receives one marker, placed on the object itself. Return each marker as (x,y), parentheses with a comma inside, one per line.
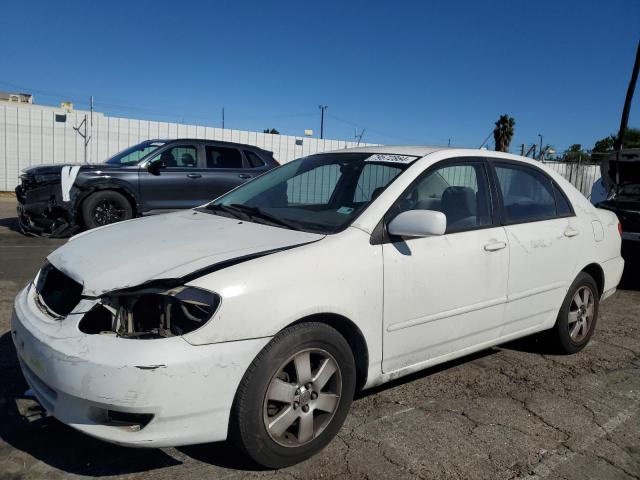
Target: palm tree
(503,133)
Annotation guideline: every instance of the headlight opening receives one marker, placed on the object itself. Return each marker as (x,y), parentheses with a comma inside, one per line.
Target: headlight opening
(151,313)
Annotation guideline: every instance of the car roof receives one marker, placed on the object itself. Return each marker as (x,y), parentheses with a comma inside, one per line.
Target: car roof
(219,142)
(424,150)
(417,150)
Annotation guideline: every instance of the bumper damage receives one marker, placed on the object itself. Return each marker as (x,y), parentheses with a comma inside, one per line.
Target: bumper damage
(41,211)
(151,393)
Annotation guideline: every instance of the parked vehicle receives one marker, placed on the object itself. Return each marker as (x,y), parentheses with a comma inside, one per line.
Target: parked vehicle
(257,316)
(621,179)
(153,176)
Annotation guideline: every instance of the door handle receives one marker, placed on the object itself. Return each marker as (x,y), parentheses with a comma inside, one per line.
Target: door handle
(495,246)
(571,232)
(244,175)
(194,175)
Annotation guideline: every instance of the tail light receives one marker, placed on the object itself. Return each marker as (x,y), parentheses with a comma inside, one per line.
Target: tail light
(620,228)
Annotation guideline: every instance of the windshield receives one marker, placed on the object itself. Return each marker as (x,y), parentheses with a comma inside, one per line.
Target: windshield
(322,193)
(132,155)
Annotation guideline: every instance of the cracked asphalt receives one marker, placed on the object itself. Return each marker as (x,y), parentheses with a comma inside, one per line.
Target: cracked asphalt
(506,413)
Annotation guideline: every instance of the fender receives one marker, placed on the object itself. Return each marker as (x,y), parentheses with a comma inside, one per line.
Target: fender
(86,186)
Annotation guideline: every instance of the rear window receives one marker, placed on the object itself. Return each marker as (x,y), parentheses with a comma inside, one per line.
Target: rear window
(223,157)
(527,195)
(254,160)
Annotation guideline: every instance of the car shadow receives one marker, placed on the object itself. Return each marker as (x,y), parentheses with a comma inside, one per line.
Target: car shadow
(425,373)
(10,223)
(56,444)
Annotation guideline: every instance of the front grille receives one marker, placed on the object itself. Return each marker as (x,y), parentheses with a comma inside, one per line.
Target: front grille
(59,293)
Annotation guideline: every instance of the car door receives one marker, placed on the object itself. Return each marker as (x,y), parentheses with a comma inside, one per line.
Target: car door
(224,170)
(544,239)
(445,294)
(171,179)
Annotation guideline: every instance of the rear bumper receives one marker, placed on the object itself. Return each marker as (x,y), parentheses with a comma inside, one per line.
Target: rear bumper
(187,391)
(612,269)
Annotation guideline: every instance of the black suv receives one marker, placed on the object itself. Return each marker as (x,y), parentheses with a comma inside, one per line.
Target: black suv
(153,176)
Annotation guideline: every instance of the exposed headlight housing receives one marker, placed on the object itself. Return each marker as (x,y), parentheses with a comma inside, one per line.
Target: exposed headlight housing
(47,177)
(151,312)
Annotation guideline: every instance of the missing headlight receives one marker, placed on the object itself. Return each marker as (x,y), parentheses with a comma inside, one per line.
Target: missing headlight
(151,313)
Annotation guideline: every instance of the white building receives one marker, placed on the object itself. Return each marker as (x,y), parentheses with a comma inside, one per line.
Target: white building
(37,134)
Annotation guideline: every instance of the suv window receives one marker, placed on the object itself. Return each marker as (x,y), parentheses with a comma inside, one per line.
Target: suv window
(460,191)
(223,157)
(180,156)
(527,194)
(254,160)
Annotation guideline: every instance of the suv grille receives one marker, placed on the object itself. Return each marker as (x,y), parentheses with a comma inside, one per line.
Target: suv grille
(59,293)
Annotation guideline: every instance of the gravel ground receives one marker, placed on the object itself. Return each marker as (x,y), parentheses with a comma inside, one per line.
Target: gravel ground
(509,412)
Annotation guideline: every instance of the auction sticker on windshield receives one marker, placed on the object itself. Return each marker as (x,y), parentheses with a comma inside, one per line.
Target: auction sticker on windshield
(387,158)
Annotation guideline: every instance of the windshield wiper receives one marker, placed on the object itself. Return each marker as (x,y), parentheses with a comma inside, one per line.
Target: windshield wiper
(239,214)
(255,212)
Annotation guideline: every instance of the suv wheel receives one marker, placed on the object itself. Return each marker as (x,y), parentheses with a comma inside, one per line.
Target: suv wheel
(105,207)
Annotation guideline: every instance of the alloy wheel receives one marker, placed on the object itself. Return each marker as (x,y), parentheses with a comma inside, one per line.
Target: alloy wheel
(107,212)
(581,314)
(302,397)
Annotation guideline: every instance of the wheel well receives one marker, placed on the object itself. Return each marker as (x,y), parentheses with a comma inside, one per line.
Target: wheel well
(121,191)
(352,335)
(597,274)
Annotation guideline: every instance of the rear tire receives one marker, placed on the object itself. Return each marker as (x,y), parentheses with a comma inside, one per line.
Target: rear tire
(105,207)
(295,395)
(578,315)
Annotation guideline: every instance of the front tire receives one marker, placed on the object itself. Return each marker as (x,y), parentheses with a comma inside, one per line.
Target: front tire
(295,395)
(577,318)
(105,207)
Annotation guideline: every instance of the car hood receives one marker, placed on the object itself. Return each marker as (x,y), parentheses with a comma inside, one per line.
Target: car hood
(57,168)
(174,245)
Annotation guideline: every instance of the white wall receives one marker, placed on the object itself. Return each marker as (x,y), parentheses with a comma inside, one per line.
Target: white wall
(29,135)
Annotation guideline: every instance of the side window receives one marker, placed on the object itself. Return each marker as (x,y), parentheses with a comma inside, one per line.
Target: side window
(313,187)
(460,191)
(373,180)
(223,157)
(254,160)
(180,156)
(562,204)
(527,195)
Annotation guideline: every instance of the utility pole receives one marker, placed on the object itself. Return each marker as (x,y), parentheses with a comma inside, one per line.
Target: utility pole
(540,157)
(322,109)
(619,143)
(522,150)
(91,114)
(223,118)
(84,135)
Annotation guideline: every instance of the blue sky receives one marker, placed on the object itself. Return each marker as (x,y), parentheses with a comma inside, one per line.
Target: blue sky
(408,72)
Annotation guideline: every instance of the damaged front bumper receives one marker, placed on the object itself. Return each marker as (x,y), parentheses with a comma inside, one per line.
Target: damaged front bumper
(42,212)
(155,393)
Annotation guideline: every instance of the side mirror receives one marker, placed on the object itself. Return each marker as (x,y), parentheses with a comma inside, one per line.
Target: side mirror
(154,167)
(418,223)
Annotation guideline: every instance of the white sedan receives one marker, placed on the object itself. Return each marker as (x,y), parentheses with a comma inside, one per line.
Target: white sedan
(256,317)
